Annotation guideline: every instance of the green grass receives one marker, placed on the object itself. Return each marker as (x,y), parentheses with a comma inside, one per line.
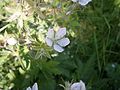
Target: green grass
(93,55)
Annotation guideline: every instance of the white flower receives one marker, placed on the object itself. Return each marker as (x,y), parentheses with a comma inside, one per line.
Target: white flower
(78,86)
(11,41)
(57,39)
(34,87)
(82,2)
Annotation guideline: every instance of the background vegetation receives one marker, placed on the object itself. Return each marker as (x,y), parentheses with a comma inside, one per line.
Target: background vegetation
(92,56)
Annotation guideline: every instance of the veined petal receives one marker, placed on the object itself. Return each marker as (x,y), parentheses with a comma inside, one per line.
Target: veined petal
(28,88)
(84,2)
(49,41)
(63,42)
(75,86)
(78,86)
(50,33)
(58,48)
(82,85)
(35,87)
(60,33)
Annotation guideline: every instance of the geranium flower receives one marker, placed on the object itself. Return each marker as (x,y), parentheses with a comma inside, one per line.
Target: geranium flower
(57,39)
(78,86)
(82,2)
(34,87)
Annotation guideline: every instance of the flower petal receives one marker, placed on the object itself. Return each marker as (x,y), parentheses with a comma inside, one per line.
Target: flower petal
(63,42)
(82,85)
(78,86)
(28,88)
(84,2)
(35,87)
(75,86)
(58,48)
(60,33)
(49,41)
(50,33)
(74,0)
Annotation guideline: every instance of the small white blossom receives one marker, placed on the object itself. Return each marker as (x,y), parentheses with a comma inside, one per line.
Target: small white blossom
(82,2)
(57,39)
(11,41)
(78,86)
(34,87)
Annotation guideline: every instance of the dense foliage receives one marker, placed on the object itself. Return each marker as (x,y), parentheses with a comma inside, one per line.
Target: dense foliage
(92,56)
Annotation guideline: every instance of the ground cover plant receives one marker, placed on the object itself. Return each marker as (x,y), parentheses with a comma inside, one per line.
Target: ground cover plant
(59,44)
